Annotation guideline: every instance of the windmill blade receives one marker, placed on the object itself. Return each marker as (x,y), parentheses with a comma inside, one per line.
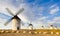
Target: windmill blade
(9,11)
(8,21)
(20,11)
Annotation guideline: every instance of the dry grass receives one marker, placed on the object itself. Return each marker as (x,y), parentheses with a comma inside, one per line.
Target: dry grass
(27,34)
(30,32)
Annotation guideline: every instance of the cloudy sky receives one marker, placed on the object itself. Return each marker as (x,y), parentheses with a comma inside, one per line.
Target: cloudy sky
(38,12)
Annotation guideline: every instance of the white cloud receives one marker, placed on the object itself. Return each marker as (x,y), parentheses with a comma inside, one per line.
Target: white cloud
(53,6)
(3,6)
(28,14)
(55,20)
(40,22)
(54,9)
(2,26)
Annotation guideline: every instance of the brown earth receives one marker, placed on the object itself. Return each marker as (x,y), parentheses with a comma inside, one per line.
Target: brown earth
(29,33)
(19,34)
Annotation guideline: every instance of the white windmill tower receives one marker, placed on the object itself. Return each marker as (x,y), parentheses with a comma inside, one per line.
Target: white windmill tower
(15,19)
(42,27)
(51,27)
(30,26)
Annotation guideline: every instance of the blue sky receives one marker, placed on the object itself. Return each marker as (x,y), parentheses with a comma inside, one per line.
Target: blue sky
(38,12)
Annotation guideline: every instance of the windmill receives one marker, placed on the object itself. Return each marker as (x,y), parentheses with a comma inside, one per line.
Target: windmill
(51,27)
(15,19)
(42,27)
(30,26)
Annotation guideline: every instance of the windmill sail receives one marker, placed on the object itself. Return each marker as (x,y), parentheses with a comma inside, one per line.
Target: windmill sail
(20,11)
(8,21)
(9,11)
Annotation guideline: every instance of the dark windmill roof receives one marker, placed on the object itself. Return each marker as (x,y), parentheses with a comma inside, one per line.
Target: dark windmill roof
(30,25)
(51,25)
(16,17)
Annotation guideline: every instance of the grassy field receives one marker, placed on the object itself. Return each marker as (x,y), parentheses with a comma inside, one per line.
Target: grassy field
(39,32)
(27,34)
